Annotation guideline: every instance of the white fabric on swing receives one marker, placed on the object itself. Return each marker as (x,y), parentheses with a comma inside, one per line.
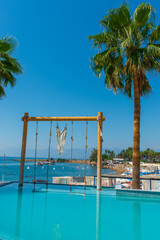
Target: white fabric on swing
(61,138)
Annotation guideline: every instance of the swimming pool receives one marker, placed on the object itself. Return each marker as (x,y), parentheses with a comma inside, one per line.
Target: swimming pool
(75,214)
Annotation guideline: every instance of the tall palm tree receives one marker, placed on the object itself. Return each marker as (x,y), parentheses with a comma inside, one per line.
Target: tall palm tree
(9,66)
(129,48)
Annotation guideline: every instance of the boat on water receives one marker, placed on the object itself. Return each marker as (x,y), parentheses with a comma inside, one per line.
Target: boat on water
(50,161)
(38,164)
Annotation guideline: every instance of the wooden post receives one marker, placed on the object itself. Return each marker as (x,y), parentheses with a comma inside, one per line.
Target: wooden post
(23,149)
(99,151)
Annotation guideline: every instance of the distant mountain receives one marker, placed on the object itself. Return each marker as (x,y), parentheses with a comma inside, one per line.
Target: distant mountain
(43,153)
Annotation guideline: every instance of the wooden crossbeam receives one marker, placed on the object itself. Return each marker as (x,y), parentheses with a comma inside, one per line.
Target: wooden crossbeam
(61,118)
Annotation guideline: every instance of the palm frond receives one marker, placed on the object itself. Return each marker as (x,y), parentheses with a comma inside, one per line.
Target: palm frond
(155,35)
(143,13)
(128,87)
(9,66)
(117,19)
(145,88)
(103,38)
(7,44)
(154,50)
(2,91)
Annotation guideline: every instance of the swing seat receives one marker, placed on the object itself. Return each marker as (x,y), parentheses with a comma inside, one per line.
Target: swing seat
(40,181)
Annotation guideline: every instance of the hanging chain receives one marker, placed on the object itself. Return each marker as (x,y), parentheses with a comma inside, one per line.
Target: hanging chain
(49,149)
(85,153)
(50,135)
(35,159)
(71,146)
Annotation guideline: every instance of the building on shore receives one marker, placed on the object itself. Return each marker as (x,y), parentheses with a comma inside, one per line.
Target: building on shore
(118,160)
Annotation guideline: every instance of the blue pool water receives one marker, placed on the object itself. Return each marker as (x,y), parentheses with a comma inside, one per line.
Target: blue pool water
(75,214)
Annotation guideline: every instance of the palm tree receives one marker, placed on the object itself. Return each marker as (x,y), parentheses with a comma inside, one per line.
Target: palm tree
(9,66)
(129,48)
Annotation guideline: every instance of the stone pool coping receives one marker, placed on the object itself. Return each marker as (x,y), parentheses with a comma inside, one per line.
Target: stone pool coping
(137,193)
(2,184)
(119,192)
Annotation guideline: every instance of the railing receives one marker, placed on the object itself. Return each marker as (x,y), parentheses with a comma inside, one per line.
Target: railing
(147,178)
(117,181)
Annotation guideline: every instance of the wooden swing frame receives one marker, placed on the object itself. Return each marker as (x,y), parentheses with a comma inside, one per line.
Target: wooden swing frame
(98,119)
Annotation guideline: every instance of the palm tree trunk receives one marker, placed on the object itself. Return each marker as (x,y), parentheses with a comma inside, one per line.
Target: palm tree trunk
(136,134)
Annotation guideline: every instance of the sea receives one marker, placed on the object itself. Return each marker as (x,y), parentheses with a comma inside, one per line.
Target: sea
(9,170)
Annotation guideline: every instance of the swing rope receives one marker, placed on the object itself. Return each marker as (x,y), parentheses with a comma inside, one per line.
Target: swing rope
(35,159)
(71,146)
(49,149)
(85,152)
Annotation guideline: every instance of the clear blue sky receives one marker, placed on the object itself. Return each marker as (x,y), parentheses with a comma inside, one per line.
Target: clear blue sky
(55,53)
